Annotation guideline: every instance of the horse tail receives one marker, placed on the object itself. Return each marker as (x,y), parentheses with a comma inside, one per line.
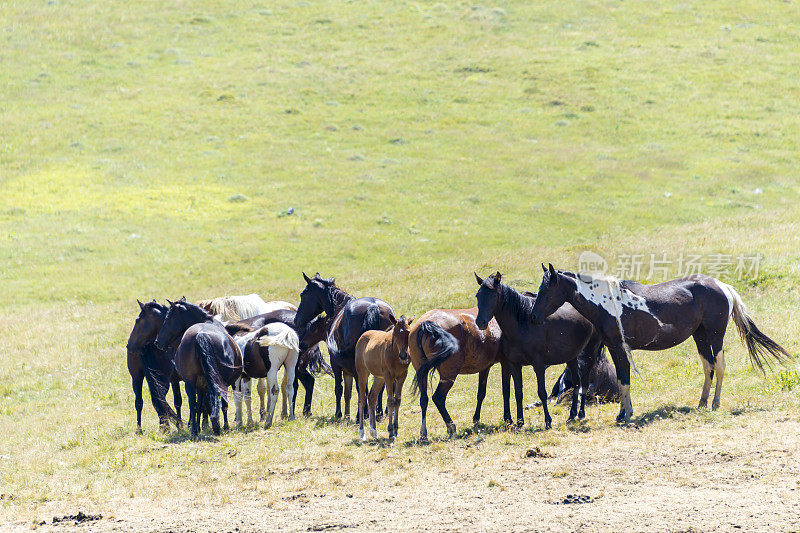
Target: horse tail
(317,364)
(444,345)
(216,389)
(285,337)
(760,347)
(372,318)
(158,385)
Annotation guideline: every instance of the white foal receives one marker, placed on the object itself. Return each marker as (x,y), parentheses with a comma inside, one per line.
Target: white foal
(284,349)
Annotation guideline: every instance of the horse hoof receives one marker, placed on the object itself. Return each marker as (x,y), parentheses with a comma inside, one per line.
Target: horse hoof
(451,430)
(714,407)
(581,415)
(139,431)
(520,422)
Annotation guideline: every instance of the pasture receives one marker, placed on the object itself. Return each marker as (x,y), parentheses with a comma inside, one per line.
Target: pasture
(152,150)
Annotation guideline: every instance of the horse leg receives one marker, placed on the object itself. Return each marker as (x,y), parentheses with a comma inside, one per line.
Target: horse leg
(272,384)
(423,405)
(224,402)
(291,381)
(138,401)
(348,394)
(261,388)
(389,386)
(542,388)
(337,388)
(375,391)
(506,370)
(307,379)
(296,387)
(719,368)
(483,377)
(517,375)
(620,358)
(191,395)
(439,399)
(238,393)
(707,358)
(178,400)
(362,404)
(572,366)
(398,393)
(379,412)
(284,396)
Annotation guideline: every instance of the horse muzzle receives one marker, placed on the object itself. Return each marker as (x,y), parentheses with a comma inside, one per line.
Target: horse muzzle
(481,323)
(404,358)
(537,319)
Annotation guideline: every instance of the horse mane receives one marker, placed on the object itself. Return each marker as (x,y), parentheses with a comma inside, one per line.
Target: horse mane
(520,305)
(234,308)
(338,296)
(197,312)
(154,305)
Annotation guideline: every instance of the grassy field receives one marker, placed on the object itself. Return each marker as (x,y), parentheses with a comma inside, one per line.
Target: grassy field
(151,150)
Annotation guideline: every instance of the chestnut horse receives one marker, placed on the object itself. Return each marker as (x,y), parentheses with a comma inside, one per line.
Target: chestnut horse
(450,341)
(349,318)
(384,354)
(565,337)
(145,361)
(207,359)
(630,316)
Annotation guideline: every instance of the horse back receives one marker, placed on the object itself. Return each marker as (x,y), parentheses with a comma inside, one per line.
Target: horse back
(351,322)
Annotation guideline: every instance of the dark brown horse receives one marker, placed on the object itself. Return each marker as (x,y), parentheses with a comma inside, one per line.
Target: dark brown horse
(350,317)
(207,359)
(450,341)
(145,361)
(630,316)
(564,337)
(603,385)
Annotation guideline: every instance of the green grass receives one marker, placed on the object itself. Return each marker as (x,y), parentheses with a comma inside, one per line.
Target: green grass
(149,150)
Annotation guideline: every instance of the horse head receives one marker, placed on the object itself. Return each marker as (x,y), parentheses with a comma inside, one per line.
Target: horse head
(314,299)
(147,325)
(400,333)
(552,294)
(488,297)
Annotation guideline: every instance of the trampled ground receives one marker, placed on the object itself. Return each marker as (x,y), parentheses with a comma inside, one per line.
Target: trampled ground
(152,150)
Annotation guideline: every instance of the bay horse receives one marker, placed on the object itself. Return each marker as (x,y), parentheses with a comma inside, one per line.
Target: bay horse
(630,316)
(207,359)
(564,337)
(145,361)
(349,318)
(384,354)
(449,341)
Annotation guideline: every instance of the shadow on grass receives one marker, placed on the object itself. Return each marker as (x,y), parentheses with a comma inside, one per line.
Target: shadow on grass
(663,412)
(179,437)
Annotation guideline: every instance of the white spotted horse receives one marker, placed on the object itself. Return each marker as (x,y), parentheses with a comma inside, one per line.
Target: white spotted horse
(630,316)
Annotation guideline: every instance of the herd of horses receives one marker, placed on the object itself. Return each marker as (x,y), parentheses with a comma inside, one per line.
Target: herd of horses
(227,342)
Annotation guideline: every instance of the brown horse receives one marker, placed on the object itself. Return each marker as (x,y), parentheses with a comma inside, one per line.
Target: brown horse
(384,354)
(630,316)
(349,318)
(207,359)
(449,340)
(145,361)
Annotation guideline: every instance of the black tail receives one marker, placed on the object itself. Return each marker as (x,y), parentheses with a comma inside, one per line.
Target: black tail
(444,345)
(372,318)
(157,372)
(760,347)
(216,389)
(316,363)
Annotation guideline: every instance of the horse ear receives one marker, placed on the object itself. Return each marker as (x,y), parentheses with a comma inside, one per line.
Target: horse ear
(553,273)
(141,305)
(478,278)
(183,299)
(308,280)
(169,302)
(497,277)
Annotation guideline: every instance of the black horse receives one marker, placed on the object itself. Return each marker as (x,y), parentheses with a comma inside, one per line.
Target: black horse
(603,384)
(629,316)
(207,359)
(349,318)
(565,337)
(145,361)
